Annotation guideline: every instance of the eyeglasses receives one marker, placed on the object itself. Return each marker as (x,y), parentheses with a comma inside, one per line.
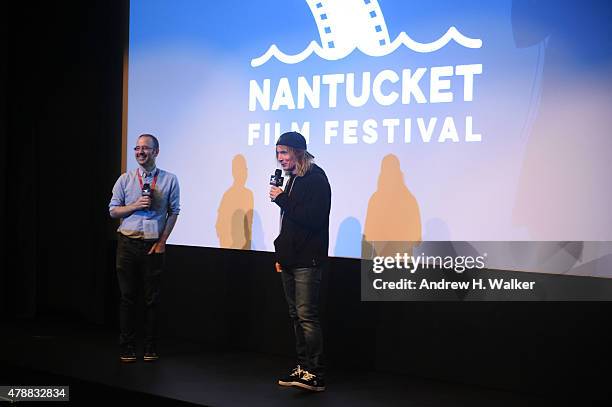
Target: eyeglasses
(142,148)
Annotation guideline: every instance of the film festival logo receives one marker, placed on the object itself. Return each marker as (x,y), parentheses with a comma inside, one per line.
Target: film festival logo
(345,27)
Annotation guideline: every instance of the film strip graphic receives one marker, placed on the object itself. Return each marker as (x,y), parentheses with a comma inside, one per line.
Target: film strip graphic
(349,24)
(346,25)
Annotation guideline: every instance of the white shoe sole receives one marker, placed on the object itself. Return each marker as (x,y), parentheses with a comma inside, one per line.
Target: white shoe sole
(286,384)
(307,387)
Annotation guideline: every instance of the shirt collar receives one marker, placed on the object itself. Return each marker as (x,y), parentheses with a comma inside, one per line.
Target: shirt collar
(145,174)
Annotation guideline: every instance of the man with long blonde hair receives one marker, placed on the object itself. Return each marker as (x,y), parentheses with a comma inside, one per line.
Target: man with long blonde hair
(301,252)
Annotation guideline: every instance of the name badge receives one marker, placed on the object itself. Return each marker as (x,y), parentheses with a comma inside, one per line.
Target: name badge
(151,229)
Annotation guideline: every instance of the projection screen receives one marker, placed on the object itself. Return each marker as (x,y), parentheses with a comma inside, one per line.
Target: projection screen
(434,121)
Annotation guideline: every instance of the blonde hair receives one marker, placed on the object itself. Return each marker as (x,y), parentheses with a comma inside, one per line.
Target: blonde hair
(303,160)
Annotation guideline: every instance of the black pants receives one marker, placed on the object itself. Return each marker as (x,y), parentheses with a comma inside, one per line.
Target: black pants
(135,266)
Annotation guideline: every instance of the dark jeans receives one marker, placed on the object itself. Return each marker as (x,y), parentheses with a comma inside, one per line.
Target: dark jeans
(302,287)
(134,267)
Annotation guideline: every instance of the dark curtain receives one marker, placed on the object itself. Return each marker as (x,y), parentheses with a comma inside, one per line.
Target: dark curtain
(61,153)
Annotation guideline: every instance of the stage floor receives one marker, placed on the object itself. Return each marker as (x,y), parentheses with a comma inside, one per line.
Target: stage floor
(87,358)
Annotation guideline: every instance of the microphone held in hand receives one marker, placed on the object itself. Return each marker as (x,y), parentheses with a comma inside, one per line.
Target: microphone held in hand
(146,190)
(277,179)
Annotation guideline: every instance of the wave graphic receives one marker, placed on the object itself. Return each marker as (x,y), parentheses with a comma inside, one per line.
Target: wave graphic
(331,54)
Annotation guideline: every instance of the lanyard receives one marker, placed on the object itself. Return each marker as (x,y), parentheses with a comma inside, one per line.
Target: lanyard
(154,179)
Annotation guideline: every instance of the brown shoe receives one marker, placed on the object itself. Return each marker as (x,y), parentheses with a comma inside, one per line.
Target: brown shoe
(128,354)
(150,354)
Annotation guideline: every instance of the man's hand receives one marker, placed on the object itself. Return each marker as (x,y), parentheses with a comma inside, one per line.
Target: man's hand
(144,202)
(158,247)
(278,267)
(274,192)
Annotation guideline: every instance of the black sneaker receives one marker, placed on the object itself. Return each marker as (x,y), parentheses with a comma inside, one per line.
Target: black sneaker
(310,382)
(291,378)
(128,354)
(150,354)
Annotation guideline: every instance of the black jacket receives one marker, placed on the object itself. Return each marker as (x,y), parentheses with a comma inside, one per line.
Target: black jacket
(304,237)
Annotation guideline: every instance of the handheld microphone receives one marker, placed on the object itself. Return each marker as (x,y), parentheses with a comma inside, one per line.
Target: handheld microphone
(146,190)
(277,179)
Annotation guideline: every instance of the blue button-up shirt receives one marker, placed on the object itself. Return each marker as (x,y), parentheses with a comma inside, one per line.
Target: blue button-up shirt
(165,199)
